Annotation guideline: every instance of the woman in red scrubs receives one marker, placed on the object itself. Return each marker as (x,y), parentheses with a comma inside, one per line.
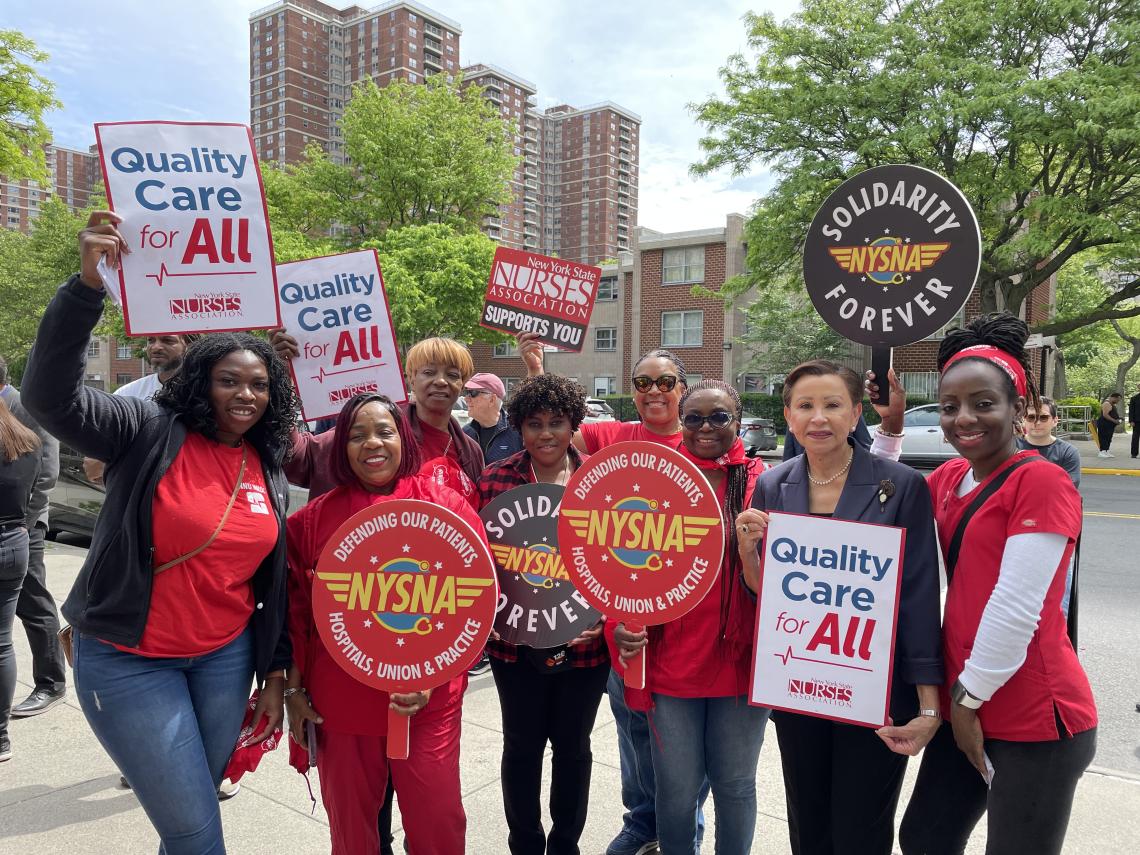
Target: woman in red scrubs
(1022,721)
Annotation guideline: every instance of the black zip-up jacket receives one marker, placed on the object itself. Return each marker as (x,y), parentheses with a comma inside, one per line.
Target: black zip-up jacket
(138,440)
(504,442)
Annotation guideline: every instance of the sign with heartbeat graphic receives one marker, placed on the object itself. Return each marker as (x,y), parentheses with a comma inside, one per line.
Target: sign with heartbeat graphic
(826,618)
(337,309)
(194,217)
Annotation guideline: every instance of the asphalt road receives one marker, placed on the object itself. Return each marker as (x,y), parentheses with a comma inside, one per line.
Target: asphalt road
(1109,640)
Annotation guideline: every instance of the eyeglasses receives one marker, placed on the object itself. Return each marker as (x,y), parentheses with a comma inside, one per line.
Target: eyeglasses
(695,421)
(474,393)
(665,383)
(1043,417)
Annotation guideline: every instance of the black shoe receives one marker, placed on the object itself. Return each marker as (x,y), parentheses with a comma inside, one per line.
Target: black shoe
(480,667)
(39,701)
(5,748)
(123,780)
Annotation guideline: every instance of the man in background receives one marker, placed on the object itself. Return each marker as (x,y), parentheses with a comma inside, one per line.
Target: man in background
(489,427)
(35,607)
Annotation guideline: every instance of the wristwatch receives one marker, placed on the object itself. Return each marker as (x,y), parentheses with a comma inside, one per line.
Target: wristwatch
(930,713)
(960,696)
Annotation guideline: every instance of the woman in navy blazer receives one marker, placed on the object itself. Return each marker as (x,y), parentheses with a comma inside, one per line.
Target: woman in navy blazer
(842,781)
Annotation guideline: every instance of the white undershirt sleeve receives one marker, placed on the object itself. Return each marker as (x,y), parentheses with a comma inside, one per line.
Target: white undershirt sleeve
(1028,565)
(886,447)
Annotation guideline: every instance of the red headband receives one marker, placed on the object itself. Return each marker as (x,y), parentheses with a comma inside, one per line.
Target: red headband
(999,358)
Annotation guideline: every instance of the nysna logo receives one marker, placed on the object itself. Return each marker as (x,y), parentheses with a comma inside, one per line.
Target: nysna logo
(539,565)
(403,596)
(888,260)
(637,531)
(835,693)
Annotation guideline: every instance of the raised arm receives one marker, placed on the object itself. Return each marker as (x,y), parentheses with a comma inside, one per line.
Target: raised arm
(96,423)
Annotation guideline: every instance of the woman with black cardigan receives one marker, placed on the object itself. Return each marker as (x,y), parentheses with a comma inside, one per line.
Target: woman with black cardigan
(181,601)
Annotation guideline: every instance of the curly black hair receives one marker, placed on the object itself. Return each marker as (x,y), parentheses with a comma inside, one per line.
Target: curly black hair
(188,392)
(1001,330)
(549,393)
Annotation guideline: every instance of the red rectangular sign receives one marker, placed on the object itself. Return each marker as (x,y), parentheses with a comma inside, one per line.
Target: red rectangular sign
(536,293)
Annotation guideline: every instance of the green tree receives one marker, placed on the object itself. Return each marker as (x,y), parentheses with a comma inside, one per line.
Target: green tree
(25,95)
(435,278)
(783,330)
(418,154)
(1028,106)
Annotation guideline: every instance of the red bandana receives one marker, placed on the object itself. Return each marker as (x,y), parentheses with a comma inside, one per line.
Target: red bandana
(998,357)
(733,457)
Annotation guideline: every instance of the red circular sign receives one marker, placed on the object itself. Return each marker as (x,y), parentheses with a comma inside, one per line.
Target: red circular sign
(404,595)
(640,532)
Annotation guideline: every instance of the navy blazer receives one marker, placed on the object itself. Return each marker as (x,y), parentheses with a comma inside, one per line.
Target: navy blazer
(918,641)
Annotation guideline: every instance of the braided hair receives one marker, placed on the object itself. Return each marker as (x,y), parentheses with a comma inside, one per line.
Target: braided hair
(661,353)
(1002,330)
(736,485)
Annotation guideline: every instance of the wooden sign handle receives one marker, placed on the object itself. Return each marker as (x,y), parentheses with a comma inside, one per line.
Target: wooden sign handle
(635,666)
(881,364)
(399,735)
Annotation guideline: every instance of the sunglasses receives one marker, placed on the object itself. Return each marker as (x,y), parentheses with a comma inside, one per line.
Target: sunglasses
(474,393)
(1042,417)
(695,421)
(665,383)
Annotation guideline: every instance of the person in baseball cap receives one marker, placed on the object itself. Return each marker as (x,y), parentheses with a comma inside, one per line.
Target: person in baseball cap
(489,427)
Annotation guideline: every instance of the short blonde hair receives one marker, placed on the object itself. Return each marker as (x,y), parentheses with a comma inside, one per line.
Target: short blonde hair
(441,351)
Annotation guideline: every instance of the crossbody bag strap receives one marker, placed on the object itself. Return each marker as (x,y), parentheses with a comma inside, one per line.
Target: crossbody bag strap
(221,524)
(975,506)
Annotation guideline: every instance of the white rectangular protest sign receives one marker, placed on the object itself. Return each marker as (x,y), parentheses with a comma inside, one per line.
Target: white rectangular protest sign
(826,618)
(194,218)
(337,309)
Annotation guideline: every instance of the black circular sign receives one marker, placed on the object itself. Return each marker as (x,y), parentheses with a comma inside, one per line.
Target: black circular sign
(892,255)
(538,604)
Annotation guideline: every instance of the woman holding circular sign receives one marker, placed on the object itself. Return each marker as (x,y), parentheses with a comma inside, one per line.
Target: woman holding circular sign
(1020,708)
(375,459)
(550,695)
(842,781)
(698,675)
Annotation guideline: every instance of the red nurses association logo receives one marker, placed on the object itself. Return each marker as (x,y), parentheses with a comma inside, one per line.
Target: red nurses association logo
(640,532)
(404,595)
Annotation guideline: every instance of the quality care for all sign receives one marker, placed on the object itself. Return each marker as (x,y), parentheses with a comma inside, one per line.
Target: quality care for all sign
(337,309)
(194,217)
(892,255)
(826,618)
(640,531)
(535,293)
(538,603)
(404,595)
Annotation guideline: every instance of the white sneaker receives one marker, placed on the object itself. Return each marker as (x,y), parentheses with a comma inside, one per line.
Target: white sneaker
(1104,454)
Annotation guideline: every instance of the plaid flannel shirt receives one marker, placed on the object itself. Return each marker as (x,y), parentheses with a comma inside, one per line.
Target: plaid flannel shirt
(498,478)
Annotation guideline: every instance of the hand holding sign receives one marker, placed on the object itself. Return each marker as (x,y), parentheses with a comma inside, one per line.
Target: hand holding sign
(100,242)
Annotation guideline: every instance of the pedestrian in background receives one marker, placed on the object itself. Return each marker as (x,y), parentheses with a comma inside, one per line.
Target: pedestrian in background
(1106,423)
(36,607)
(19,465)
(489,425)
(1134,420)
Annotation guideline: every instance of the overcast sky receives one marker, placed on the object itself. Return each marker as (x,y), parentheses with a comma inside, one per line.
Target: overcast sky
(158,59)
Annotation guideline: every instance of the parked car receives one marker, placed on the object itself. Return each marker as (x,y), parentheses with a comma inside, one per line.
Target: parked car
(923,438)
(598,410)
(758,435)
(75,501)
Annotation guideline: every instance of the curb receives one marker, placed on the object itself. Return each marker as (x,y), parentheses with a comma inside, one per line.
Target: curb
(1087,471)
(1114,773)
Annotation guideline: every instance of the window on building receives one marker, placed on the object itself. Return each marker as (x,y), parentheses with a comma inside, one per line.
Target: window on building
(683,265)
(123,351)
(682,329)
(505,349)
(956,321)
(605,338)
(604,386)
(93,348)
(122,379)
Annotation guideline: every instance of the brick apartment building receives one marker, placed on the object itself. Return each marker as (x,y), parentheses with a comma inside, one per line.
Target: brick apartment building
(575,188)
(645,302)
(73,176)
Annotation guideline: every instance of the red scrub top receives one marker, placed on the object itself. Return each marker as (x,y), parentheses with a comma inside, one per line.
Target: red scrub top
(1036,498)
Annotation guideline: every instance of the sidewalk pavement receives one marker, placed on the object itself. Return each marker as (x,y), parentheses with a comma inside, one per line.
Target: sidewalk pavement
(60,793)
(1121,463)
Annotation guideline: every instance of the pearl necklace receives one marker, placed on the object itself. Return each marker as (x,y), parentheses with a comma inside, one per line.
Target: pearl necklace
(846,466)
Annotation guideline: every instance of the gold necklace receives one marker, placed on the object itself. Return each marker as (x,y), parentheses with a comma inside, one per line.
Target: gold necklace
(846,466)
(560,479)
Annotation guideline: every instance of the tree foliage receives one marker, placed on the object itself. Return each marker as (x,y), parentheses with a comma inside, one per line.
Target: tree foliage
(25,95)
(1028,106)
(783,330)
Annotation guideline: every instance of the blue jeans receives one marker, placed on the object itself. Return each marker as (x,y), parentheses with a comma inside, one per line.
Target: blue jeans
(714,738)
(638,790)
(170,726)
(13,566)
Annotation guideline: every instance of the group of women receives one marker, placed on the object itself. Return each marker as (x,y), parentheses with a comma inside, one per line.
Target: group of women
(176,613)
